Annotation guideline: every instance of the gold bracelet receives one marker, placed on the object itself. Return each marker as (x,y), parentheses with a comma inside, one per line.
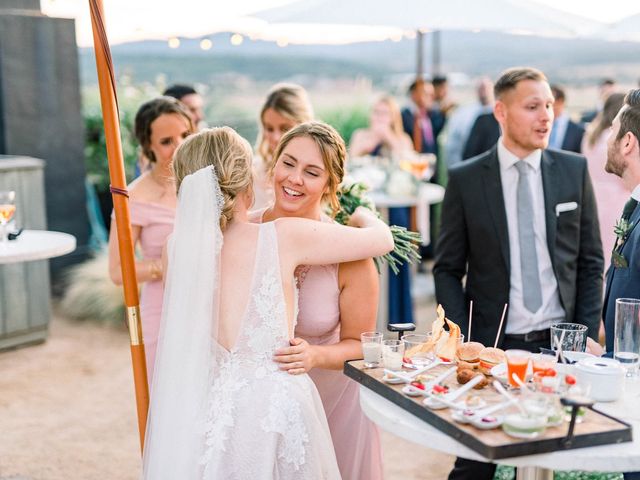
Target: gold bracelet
(155,271)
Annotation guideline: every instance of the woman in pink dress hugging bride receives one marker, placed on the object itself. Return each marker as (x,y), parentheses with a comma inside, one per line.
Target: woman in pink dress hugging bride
(337,302)
(220,406)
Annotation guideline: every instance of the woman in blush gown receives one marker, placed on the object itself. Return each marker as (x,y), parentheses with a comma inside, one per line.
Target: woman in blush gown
(220,406)
(608,188)
(337,302)
(286,106)
(160,126)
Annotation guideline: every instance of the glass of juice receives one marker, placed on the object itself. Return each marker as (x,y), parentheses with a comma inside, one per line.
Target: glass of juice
(517,363)
(542,362)
(371,348)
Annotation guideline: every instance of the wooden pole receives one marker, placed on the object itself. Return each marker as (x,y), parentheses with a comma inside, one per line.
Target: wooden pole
(109,102)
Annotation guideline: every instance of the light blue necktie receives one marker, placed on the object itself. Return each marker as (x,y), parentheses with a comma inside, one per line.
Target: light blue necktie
(554,135)
(531,289)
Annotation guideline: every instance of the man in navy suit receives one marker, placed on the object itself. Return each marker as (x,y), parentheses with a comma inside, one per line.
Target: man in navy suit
(565,133)
(623,160)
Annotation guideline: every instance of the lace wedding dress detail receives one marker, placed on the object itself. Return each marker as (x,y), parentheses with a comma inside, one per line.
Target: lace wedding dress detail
(262,422)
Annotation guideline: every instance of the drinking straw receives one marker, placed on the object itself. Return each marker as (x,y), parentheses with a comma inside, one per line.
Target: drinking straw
(504,312)
(470,318)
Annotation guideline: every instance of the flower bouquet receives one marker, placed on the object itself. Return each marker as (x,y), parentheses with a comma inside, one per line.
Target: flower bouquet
(405,242)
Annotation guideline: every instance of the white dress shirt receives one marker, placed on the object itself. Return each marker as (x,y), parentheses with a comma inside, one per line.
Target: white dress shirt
(519,319)
(635,193)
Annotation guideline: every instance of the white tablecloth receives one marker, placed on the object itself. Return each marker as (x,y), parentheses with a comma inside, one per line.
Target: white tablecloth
(624,457)
(36,245)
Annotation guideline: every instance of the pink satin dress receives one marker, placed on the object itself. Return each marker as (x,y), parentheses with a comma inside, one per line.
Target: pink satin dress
(156,222)
(356,439)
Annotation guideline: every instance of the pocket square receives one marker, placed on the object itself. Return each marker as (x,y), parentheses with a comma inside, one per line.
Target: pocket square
(565,207)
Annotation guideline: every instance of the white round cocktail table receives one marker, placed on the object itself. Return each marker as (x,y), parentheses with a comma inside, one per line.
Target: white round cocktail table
(36,245)
(624,457)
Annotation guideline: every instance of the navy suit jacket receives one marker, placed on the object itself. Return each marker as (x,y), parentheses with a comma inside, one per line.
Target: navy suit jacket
(572,140)
(483,136)
(622,282)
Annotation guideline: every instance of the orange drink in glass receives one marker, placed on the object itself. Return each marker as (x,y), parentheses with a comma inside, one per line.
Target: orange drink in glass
(542,362)
(517,363)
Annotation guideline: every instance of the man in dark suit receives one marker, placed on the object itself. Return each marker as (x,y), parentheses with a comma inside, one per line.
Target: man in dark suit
(521,223)
(565,133)
(420,120)
(623,160)
(483,136)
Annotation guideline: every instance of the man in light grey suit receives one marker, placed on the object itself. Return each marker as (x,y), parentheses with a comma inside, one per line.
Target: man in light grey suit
(520,222)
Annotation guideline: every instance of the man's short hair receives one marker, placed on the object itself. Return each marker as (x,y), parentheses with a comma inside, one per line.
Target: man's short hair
(414,84)
(558,93)
(630,117)
(512,76)
(439,80)
(178,91)
(607,82)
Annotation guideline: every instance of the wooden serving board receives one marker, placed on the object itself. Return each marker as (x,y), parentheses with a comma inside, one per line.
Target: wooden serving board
(596,429)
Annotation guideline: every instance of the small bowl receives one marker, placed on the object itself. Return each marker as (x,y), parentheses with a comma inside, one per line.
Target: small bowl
(393,380)
(521,426)
(488,422)
(412,391)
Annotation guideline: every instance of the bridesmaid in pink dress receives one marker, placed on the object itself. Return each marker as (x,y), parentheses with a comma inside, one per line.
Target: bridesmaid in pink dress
(336,302)
(160,126)
(608,188)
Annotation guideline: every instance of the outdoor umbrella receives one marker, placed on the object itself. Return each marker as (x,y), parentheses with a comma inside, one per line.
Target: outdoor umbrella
(627,29)
(108,99)
(510,16)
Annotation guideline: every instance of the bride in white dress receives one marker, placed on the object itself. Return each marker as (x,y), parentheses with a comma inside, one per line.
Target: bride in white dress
(220,407)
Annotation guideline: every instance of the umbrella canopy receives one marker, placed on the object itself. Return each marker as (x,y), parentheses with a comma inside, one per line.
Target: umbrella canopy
(509,16)
(624,30)
(514,16)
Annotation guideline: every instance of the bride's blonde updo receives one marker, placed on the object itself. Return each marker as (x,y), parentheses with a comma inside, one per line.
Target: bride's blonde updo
(231,157)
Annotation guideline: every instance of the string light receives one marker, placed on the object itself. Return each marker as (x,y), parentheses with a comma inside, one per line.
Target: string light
(281,42)
(236,39)
(174,42)
(206,44)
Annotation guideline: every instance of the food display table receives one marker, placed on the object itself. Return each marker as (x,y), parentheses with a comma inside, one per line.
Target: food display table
(622,455)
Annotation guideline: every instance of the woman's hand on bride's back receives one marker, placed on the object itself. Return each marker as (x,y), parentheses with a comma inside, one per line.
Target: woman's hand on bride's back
(296,359)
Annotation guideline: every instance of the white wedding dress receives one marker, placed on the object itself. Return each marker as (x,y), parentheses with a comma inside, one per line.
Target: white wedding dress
(229,414)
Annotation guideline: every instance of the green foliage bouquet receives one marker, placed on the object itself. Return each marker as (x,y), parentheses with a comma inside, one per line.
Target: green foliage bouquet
(405,242)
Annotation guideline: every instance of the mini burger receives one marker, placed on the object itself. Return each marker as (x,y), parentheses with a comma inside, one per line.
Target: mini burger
(467,354)
(489,358)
